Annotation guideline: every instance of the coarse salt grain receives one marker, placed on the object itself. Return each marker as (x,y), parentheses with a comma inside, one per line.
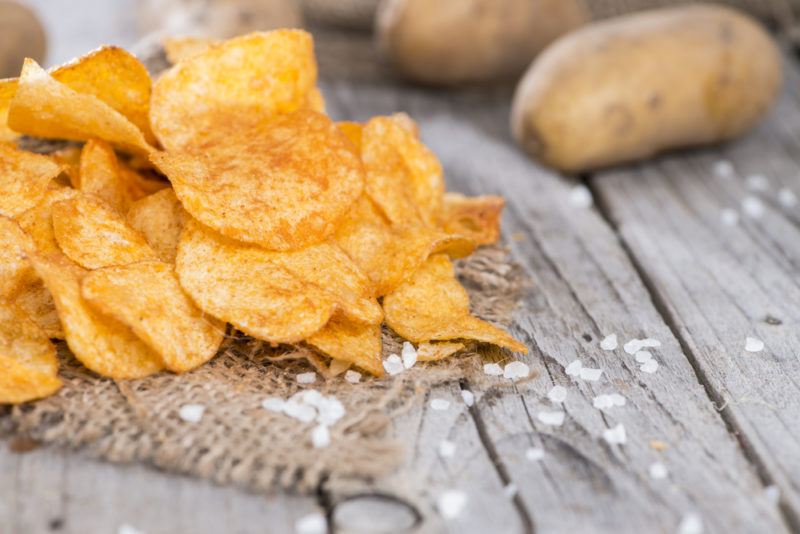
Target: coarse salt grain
(516,370)
(615,435)
(510,490)
(306,378)
(492,369)
(753,207)
(649,367)
(409,355)
(658,471)
(354,377)
(729,217)
(643,356)
(633,346)
(772,494)
(557,394)
(574,368)
(609,342)
(590,375)
(757,182)
(724,169)
(128,529)
(440,404)
(447,449)
(273,404)
(581,197)
(468,396)
(450,503)
(601,402)
(393,364)
(787,198)
(753,344)
(534,454)
(691,524)
(192,413)
(551,418)
(311,524)
(320,436)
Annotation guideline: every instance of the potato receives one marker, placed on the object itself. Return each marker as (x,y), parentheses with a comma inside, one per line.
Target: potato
(631,87)
(453,41)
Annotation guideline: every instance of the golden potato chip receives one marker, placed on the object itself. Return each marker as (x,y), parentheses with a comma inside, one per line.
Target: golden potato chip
(93,236)
(37,302)
(139,184)
(475,217)
(431,352)
(160,218)
(28,364)
(238,81)
(348,341)
(315,101)
(353,131)
(404,178)
(182,47)
(38,221)
(432,306)
(15,269)
(24,177)
(8,87)
(101,175)
(45,107)
(69,158)
(148,299)
(101,343)
(283,185)
(239,284)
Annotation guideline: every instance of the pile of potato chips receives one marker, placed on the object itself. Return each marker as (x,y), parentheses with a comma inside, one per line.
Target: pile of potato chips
(220,193)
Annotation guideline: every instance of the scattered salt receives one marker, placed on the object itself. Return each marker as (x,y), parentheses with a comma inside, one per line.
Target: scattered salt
(447,449)
(753,344)
(787,198)
(354,377)
(772,494)
(451,503)
(650,342)
(440,404)
(273,404)
(306,378)
(128,529)
(320,436)
(516,370)
(616,435)
(649,367)
(192,413)
(609,342)
(757,182)
(574,368)
(557,394)
(643,356)
(601,402)
(729,217)
(534,454)
(580,197)
(658,471)
(511,490)
(691,524)
(409,355)
(393,364)
(591,375)
(302,412)
(468,396)
(311,524)
(492,369)
(551,418)
(724,168)
(753,207)
(633,346)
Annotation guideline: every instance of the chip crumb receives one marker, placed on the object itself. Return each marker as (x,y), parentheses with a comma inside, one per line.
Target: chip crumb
(658,445)
(534,454)
(125,528)
(409,355)
(589,374)
(643,356)
(658,471)
(724,169)
(354,377)
(609,342)
(313,523)
(551,418)
(492,369)
(440,404)
(649,367)
(393,365)
(320,436)
(557,394)
(306,378)
(192,413)
(729,217)
(468,396)
(691,523)
(753,344)
(615,435)
(450,503)
(516,370)
(753,207)
(581,197)
(446,449)
(787,198)
(574,368)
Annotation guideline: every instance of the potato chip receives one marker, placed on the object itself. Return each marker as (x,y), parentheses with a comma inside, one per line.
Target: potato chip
(101,343)
(15,269)
(37,303)
(432,306)
(238,284)
(353,131)
(239,81)
(160,218)
(179,48)
(24,177)
(475,217)
(404,178)
(139,184)
(101,175)
(28,364)
(148,299)
(69,158)
(38,221)
(315,101)
(283,185)
(45,107)
(8,87)
(348,341)
(431,352)
(93,236)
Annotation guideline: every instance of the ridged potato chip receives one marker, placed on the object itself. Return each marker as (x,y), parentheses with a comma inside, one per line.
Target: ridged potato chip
(283,185)
(147,298)
(240,81)
(160,218)
(179,48)
(24,177)
(45,107)
(101,343)
(352,342)
(475,217)
(404,178)
(432,306)
(101,175)
(239,284)
(28,364)
(431,352)
(94,236)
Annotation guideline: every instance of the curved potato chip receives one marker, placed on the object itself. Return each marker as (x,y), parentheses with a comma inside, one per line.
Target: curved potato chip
(182,47)
(431,352)
(69,158)
(475,217)
(93,236)
(101,343)
(315,101)
(348,341)
(8,87)
(101,175)
(283,185)
(140,185)
(432,306)
(239,284)
(24,177)
(353,131)
(37,302)
(404,178)
(160,217)
(238,81)
(15,269)
(45,107)
(38,221)
(148,299)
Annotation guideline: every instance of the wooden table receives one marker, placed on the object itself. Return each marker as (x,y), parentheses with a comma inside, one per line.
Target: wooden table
(651,258)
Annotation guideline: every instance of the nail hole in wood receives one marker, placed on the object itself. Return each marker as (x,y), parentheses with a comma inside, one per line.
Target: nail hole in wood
(374,513)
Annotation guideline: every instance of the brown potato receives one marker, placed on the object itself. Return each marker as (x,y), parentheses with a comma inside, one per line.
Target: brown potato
(455,41)
(631,87)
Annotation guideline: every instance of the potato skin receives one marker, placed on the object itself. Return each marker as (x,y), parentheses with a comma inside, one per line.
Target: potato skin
(628,88)
(445,42)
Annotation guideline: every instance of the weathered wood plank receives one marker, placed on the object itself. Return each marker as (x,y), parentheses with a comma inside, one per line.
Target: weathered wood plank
(719,283)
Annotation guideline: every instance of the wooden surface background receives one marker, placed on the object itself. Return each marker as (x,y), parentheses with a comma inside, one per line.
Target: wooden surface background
(650,258)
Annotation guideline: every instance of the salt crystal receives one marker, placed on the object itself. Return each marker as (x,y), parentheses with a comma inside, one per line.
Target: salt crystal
(617,399)
(393,364)
(314,523)
(551,418)
(354,377)
(691,524)
(643,356)
(616,435)
(468,396)
(557,394)
(440,404)
(753,344)
(658,471)
(492,369)
(729,217)
(447,449)
(273,404)
(534,454)
(787,198)
(580,197)
(609,342)
(320,436)
(302,412)
(602,402)
(773,494)
(650,342)
(409,354)
(574,368)
(649,367)
(192,413)
(724,168)
(633,346)
(591,375)
(128,529)
(329,410)
(757,182)
(516,370)
(306,378)
(511,490)
(451,503)
(753,207)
